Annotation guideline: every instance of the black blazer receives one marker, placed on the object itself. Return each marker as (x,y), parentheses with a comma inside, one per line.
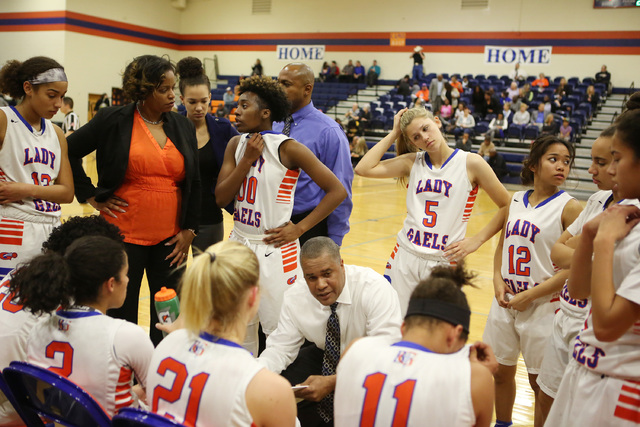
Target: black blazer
(109,133)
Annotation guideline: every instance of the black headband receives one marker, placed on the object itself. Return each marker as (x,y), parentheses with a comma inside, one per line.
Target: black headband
(442,310)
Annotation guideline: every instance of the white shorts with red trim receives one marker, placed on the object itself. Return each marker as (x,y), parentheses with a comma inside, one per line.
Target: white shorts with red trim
(586,398)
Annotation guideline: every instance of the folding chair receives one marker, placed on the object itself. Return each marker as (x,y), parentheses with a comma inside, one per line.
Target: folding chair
(132,417)
(53,396)
(28,417)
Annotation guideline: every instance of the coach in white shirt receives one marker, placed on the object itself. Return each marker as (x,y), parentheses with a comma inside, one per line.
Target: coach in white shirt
(367,306)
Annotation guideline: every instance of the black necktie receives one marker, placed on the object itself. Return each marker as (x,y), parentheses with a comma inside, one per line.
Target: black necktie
(330,360)
(287,125)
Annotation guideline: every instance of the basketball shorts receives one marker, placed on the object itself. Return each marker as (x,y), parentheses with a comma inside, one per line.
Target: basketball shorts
(510,332)
(587,398)
(279,270)
(405,270)
(557,352)
(21,240)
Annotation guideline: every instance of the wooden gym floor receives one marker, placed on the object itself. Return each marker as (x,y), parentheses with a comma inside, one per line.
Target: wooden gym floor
(379,210)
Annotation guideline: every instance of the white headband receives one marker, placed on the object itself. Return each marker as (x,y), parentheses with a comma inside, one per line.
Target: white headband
(49,76)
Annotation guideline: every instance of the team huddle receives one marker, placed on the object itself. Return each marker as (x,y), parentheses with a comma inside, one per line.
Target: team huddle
(353,346)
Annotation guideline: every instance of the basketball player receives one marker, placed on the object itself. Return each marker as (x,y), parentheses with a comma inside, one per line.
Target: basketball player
(15,322)
(570,318)
(260,171)
(443,184)
(522,321)
(427,375)
(602,381)
(201,376)
(35,175)
(99,353)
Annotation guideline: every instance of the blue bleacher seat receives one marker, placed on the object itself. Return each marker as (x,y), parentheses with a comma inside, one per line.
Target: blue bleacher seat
(557,79)
(481,128)
(588,80)
(384,98)
(515,131)
(573,80)
(531,132)
(377,124)
(480,77)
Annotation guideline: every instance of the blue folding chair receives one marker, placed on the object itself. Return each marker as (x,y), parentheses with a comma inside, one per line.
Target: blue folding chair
(28,417)
(132,417)
(53,396)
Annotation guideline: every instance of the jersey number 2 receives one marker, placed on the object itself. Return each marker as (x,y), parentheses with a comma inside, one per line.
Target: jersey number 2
(403,393)
(171,395)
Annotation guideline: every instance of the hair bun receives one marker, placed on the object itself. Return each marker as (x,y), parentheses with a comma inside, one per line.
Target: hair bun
(458,274)
(633,103)
(189,67)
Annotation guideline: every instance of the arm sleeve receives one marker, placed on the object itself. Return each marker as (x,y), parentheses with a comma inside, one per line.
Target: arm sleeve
(133,348)
(383,310)
(340,165)
(283,344)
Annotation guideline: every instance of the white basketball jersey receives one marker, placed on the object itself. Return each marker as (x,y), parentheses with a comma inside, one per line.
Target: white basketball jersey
(80,344)
(380,383)
(15,326)
(530,233)
(620,358)
(595,205)
(265,199)
(439,203)
(30,157)
(213,374)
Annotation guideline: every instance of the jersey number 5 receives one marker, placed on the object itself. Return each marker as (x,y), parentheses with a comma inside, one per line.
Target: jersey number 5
(403,393)
(431,216)
(172,394)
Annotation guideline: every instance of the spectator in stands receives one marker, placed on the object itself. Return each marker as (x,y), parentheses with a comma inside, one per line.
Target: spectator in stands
(465,123)
(459,112)
(236,88)
(456,84)
(515,104)
(71,121)
(522,117)
(504,97)
(452,93)
(324,73)
(229,100)
(556,104)
(334,72)
(485,147)
(465,82)
(477,98)
(498,164)
(506,110)
(549,127)
(446,111)
(518,73)
(256,70)
(490,105)
(415,88)
(418,58)
(464,143)
(604,76)
(592,98)
(347,73)
(527,94)
(354,113)
(565,130)
(541,82)
(373,74)
(423,93)
(403,86)
(419,102)
(358,72)
(538,116)
(435,92)
(498,126)
(359,149)
(563,89)
(546,101)
(513,90)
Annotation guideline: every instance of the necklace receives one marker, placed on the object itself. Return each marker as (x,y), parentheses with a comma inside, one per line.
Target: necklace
(147,120)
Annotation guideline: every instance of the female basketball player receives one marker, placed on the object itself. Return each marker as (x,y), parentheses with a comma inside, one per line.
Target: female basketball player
(602,381)
(213,135)
(427,375)
(201,376)
(443,184)
(99,353)
(570,318)
(35,176)
(525,281)
(260,171)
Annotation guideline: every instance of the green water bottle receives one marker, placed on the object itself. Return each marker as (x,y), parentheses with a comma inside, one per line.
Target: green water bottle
(167,306)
